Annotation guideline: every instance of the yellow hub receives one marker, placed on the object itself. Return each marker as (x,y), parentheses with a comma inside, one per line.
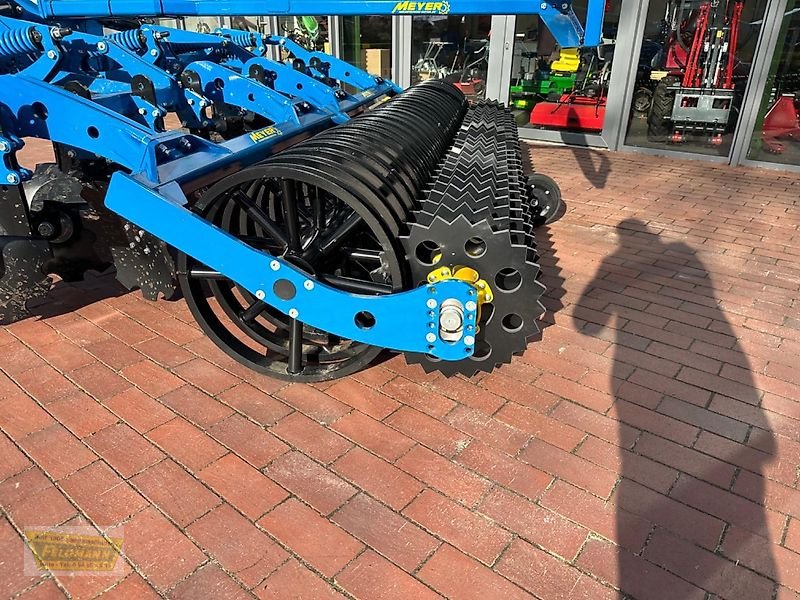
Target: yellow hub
(467,275)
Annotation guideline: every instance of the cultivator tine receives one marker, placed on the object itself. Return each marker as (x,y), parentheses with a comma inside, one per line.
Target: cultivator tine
(23,254)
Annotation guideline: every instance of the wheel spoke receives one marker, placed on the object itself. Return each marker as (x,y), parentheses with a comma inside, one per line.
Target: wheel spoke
(295,364)
(334,239)
(260,218)
(356,286)
(289,199)
(260,243)
(316,209)
(363,254)
(254,310)
(205,273)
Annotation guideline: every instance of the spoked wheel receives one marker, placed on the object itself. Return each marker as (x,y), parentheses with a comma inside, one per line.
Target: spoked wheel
(320,229)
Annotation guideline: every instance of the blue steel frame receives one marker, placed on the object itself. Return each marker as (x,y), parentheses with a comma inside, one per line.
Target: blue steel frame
(557,14)
(162,166)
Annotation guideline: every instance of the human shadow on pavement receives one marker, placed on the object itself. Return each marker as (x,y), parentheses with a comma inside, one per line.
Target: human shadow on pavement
(694,436)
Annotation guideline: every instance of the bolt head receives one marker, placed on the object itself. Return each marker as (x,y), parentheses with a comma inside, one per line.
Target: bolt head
(51,54)
(46,229)
(156,113)
(12,178)
(430,338)
(143,111)
(260,294)
(101,46)
(471,306)
(469,340)
(431,303)
(543,6)
(153,52)
(293,313)
(4,147)
(308,284)
(274,265)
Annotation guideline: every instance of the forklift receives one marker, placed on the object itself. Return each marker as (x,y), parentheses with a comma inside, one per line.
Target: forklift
(695,94)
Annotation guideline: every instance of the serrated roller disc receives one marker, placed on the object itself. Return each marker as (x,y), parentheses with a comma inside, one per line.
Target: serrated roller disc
(515,310)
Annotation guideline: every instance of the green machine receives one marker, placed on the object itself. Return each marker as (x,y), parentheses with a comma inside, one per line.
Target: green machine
(547,80)
(527,91)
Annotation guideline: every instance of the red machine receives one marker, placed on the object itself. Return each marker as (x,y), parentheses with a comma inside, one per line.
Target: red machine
(584,108)
(782,122)
(572,111)
(696,91)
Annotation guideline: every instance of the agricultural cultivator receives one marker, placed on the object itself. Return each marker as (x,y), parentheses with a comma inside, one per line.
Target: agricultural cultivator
(310,213)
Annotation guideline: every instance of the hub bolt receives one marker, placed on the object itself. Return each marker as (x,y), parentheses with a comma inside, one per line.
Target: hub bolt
(46,229)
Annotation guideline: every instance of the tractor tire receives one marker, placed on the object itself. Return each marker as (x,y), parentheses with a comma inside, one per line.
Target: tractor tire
(659,120)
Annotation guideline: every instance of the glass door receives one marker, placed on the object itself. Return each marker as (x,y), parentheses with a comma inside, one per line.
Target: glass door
(561,89)
(367,43)
(454,48)
(776,136)
(694,66)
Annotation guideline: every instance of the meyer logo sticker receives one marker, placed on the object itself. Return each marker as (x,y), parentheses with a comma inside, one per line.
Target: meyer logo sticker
(265,134)
(421,8)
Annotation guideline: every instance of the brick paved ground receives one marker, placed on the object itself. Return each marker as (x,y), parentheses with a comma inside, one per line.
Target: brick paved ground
(650,443)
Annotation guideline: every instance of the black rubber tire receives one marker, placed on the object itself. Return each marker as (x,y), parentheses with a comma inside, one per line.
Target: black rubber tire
(659,120)
(547,194)
(642,100)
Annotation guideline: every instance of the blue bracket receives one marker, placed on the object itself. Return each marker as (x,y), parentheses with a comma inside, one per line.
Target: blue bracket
(222,84)
(406,321)
(293,83)
(339,70)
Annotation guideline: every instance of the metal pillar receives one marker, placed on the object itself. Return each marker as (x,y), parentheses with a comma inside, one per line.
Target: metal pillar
(335,35)
(401,50)
(633,15)
(501,50)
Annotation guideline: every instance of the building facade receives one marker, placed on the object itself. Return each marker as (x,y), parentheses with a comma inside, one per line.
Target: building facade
(717,81)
